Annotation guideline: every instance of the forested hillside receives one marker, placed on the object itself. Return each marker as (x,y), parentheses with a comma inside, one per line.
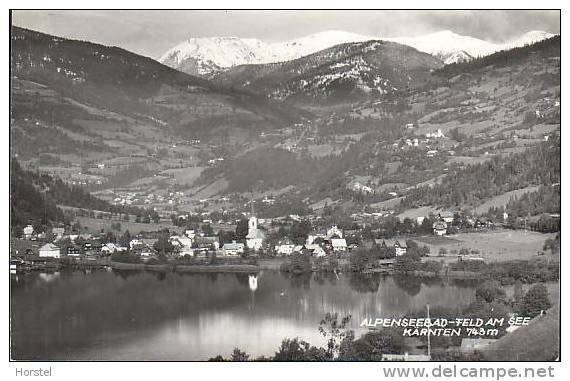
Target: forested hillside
(34,198)
(544,48)
(27,203)
(472,184)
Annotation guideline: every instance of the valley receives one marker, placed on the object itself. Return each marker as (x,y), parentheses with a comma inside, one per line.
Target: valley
(184,143)
(232,193)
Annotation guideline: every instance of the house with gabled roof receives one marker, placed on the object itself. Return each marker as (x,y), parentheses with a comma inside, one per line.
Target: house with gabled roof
(338,244)
(440,228)
(49,250)
(400,246)
(233,249)
(285,246)
(28,232)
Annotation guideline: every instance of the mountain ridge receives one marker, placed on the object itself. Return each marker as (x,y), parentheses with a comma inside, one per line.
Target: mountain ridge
(208,56)
(343,72)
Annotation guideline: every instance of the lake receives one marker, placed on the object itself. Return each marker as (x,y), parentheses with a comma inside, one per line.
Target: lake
(72,315)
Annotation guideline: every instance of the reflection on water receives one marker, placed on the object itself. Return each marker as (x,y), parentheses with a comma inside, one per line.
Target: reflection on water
(48,277)
(253,282)
(159,316)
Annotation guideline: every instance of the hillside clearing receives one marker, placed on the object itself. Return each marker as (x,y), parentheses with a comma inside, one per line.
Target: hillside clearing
(502,245)
(503,199)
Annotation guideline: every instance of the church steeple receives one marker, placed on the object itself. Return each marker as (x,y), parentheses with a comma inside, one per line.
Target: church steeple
(252,224)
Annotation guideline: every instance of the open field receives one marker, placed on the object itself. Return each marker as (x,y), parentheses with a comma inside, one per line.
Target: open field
(210,190)
(501,245)
(94,225)
(431,182)
(418,212)
(322,150)
(468,159)
(388,204)
(184,176)
(503,199)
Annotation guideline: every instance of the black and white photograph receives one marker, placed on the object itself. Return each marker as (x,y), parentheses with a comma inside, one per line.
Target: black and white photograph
(284,185)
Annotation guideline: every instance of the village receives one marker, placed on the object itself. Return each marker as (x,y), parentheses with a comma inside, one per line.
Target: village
(201,239)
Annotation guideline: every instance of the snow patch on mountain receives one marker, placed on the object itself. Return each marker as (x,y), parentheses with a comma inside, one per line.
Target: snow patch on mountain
(456,57)
(455,46)
(225,52)
(209,55)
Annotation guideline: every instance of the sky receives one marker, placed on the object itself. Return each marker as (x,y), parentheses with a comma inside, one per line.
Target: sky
(151,33)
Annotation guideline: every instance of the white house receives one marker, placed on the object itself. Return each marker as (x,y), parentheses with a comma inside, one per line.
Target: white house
(285,247)
(28,232)
(183,244)
(431,153)
(334,231)
(437,134)
(316,250)
(109,248)
(135,243)
(357,187)
(439,228)
(233,249)
(447,217)
(255,236)
(50,250)
(400,247)
(58,233)
(338,244)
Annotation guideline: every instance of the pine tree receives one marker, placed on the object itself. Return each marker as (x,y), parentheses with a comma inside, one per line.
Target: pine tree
(535,301)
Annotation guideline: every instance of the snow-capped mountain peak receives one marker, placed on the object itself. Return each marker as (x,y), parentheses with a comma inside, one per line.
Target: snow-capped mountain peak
(529,38)
(207,56)
(456,57)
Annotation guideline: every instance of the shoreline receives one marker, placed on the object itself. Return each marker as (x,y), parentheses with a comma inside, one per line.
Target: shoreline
(185,268)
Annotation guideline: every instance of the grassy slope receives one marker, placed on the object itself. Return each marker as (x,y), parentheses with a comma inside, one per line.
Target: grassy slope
(539,341)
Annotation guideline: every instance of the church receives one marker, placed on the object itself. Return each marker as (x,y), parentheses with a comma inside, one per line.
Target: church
(255,236)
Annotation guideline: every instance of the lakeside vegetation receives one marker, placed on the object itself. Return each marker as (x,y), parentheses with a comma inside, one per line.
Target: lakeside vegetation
(416,261)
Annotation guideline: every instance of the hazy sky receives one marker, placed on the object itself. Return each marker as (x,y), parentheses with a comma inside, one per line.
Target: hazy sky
(151,33)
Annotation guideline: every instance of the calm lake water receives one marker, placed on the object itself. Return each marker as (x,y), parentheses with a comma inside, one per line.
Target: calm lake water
(147,316)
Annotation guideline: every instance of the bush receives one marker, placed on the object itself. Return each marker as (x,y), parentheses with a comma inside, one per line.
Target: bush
(298,263)
(238,355)
(490,291)
(125,257)
(299,350)
(474,266)
(406,264)
(432,267)
(535,301)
